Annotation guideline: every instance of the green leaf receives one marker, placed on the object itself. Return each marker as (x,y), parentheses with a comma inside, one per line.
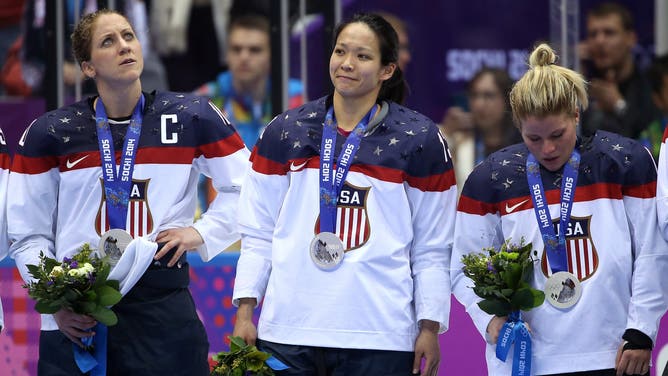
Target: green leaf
(107,296)
(49,263)
(45,307)
(71,295)
(101,275)
(512,275)
(105,316)
(255,360)
(33,269)
(90,296)
(507,292)
(527,298)
(86,307)
(113,284)
(538,297)
(236,343)
(495,307)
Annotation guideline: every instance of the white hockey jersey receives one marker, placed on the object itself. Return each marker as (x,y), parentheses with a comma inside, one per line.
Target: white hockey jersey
(4,177)
(57,200)
(613,243)
(662,187)
(395,216)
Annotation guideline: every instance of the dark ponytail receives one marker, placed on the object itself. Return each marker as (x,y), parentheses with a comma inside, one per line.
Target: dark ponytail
(395,88)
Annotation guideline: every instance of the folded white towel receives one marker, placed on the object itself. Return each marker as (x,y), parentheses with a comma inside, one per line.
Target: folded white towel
(134,261)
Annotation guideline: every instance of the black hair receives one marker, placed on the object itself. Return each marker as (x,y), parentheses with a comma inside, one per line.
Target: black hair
(253,21)
(394,88)
(610,8)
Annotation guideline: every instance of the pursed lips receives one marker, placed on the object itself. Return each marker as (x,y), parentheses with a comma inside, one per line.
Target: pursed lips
(346,78)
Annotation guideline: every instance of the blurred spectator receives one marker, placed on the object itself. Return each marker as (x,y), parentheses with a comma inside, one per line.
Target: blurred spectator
(488,126)
(404,43)
(33,50)
(619,92)
(32,55)
(189,36)
(658,78)
(10,27)
(261,7)
(244,91)
(154,76)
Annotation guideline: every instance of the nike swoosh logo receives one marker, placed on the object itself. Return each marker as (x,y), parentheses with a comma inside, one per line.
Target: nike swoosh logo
(75,162)
(510,209)
(294,167)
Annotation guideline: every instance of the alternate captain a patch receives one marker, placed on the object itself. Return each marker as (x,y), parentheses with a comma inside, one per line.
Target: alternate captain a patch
(139,220)
(352,221)
(580,249)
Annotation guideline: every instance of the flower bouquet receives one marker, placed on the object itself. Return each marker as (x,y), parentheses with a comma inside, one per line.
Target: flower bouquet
(78,283)
(241,360)
(501,279)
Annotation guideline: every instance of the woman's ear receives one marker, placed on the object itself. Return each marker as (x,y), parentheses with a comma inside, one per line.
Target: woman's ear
(388,71)
(88,69)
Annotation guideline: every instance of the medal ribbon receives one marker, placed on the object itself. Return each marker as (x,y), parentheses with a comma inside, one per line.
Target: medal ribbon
(95,362)
(555,246)
(331,181)
(514,331)
(117,184)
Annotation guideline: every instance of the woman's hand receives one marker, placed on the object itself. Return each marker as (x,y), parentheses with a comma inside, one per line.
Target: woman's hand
(74,326)
(183,239)
(243,326)
(494,328)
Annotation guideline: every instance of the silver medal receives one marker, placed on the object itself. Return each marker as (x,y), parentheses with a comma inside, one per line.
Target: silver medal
(563,290)
(113,244)
(326,250)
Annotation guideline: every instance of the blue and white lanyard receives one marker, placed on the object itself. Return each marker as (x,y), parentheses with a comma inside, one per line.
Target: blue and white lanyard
(331,180)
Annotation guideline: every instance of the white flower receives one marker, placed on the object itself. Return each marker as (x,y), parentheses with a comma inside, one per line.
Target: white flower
(56,271)
(88,268)
(74,273)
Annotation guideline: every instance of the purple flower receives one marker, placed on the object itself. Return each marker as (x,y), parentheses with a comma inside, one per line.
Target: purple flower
(67,260)
(50,282)
(490,267)
(74,264)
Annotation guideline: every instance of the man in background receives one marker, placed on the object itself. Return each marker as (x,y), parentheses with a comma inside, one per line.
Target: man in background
(244,91)
(619,92)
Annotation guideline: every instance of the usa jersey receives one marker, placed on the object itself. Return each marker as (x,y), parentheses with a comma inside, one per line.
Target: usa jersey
(612,241)
(4,177)
(662,187)
(395,217)
(58,203)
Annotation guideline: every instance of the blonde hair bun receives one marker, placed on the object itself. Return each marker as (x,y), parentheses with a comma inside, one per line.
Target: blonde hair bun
(542,55)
